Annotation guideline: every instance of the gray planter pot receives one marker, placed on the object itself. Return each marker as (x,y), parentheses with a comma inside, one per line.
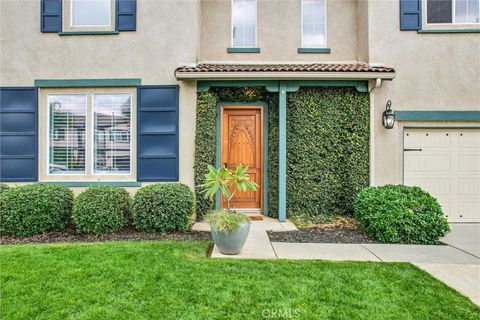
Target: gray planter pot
(231,242)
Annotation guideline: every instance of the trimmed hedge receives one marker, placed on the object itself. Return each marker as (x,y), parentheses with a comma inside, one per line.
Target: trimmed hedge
(33,209)
(327,147)
(3,187)
(100,210)
(163,207)
(400,214)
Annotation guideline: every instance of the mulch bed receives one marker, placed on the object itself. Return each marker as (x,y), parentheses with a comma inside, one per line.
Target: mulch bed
(322,234)
(69,235)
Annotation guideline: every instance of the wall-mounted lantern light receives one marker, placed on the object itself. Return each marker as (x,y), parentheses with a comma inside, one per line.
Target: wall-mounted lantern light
(388,118)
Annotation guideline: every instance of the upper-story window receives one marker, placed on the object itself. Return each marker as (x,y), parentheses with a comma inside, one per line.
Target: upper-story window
(244,23)
(314,23)
(453,11)
(88,16)
(91,13)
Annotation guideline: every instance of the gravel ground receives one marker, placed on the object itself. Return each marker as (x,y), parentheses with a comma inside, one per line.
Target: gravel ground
(322,234)
(69,235)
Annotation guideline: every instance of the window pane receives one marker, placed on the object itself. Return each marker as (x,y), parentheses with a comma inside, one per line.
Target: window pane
(466,11)
(111,133)
(244,17)
(91,12)
(439,11)
(67,133)
(313,24)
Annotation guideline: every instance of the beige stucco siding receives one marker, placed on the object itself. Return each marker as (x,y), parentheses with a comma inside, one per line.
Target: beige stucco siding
(166,36)
(437,72)
(278,31)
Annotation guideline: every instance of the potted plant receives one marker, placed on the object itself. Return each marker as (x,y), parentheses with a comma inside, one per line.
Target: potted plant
(229,228)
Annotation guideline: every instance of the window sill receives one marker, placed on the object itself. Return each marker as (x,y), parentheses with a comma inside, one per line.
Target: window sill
(243,50)
(449,31)
(95,183)
(314,50)
(87,33)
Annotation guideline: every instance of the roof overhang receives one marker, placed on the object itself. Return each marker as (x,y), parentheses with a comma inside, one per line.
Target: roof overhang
(284,76)
(322,71)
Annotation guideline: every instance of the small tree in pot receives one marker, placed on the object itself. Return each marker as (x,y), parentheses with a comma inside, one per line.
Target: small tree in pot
(229,228)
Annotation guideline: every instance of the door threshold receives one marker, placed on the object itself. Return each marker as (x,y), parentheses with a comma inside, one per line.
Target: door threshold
(253,213)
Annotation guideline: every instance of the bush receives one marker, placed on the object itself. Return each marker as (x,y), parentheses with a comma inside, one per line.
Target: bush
(163,207)
(3,187)
(400,214)
(225,221)
(101,210)
(33,209)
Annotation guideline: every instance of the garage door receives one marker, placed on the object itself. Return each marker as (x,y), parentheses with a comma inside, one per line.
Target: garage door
(446,163)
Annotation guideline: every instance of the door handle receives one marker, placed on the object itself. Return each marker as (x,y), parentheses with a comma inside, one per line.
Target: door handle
(412,149)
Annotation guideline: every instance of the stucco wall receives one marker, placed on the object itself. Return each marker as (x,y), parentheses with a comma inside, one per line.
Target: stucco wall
(150,53)
(278,31)
(433,72)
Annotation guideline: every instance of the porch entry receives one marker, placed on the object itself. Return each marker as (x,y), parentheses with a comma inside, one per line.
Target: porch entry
(242,142)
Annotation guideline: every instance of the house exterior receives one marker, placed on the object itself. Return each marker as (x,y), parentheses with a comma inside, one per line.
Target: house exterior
(107,92)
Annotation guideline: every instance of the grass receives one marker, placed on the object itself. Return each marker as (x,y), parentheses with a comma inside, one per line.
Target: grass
(175,280)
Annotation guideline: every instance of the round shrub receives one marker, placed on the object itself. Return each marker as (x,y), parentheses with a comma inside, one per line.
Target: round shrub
(163,207)
(101,210)
(400,214)
(33,209)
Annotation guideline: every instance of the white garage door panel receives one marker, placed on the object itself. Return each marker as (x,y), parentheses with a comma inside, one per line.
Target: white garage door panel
(446,163)
(423,163)
(468,162)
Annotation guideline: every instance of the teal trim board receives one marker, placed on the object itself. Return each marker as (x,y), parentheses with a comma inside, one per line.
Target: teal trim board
(437,115)
(243,50)
(449,31)
(97,183)
(72,83)
(282,151)
(273,85)
(314,50)
(88,33)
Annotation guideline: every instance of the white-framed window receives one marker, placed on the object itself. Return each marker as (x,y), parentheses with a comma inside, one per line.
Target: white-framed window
(111,114)
(314,23)
(244,23)
(80,126)
(90,13)
(67,113)
(453,11)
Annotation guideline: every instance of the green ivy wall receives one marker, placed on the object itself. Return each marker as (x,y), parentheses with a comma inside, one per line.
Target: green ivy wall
(327,146)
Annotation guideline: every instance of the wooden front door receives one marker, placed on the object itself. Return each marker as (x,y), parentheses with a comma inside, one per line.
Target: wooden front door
(242,142)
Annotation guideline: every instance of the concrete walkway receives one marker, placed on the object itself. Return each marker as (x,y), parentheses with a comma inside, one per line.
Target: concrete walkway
(457,264)
(258,244)
(465,237)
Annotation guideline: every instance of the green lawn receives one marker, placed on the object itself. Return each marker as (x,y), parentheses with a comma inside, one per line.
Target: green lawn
(175,280)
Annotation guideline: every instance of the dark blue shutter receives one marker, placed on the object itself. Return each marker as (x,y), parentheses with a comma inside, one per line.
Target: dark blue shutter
(126,15)
(51,15)
(410,14)
(157,133)
(18,134)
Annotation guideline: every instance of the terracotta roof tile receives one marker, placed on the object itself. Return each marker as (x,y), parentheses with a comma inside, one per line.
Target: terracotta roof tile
(315,67)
